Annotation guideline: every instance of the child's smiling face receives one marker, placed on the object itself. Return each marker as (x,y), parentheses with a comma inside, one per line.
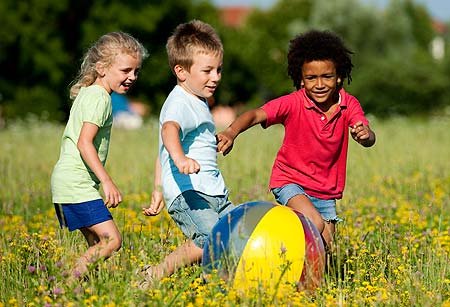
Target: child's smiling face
(320,81)
(203,76)
(121,74)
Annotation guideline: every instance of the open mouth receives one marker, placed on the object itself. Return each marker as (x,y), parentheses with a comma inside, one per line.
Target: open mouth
(321,94)
(127,85)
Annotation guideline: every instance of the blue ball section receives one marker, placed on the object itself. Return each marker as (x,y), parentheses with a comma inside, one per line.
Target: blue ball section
(229,236)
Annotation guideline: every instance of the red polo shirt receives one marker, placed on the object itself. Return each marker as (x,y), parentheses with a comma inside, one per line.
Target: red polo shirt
(314,149)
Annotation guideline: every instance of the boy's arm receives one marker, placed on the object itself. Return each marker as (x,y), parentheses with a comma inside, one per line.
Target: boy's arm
(363,134)
(171,140)
(225,139)
(157,202)
(89,154)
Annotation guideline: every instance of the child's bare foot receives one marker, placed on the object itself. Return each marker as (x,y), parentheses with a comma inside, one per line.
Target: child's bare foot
(147,273)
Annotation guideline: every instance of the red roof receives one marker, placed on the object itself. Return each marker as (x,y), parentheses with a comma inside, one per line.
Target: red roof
(234,16)
(440,27)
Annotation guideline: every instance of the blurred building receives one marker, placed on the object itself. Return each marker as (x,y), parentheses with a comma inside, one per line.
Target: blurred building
(437,45)
(234,16)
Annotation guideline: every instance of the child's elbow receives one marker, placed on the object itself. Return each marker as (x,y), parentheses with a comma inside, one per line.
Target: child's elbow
(81,145)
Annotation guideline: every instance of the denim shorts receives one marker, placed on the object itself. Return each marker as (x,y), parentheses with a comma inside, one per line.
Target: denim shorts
(81,215)
(326,207)
(197,213)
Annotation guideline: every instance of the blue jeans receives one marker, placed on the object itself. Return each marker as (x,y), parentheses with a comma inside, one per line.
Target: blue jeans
(197,213)
(326,207)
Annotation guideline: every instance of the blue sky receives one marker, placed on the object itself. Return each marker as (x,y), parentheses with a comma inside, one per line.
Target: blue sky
(439,9)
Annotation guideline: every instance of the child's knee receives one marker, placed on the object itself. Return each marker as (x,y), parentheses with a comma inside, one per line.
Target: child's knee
(114,243)
(320,223)
(117,244)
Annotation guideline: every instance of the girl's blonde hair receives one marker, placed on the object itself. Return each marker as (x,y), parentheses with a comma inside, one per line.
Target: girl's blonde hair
(103,52)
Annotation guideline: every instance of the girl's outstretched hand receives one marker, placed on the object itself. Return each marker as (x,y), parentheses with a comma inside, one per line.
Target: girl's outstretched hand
(156,205)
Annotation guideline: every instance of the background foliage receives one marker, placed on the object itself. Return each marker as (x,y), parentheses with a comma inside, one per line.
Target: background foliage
(42,43)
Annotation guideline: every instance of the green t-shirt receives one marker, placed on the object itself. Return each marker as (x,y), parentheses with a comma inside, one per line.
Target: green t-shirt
(72,181)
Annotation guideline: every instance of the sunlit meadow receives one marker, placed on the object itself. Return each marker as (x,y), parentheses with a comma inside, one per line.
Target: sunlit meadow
(392,248)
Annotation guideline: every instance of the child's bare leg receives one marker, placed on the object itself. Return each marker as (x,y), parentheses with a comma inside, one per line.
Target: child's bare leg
(90,236)
(328,234)
(103,239)
(185,254)
(302,204)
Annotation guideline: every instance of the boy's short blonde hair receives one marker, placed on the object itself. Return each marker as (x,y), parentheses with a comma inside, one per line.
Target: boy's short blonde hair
(190,39)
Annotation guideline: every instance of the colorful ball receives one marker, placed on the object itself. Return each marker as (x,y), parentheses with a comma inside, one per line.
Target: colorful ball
(262,244)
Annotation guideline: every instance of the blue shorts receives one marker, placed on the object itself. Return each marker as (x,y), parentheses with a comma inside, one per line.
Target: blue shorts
(326,207)
(80,215)
(197,213)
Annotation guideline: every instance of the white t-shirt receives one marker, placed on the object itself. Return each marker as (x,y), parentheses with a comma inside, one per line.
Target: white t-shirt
(198,139)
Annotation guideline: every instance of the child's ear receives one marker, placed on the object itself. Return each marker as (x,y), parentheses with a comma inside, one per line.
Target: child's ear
(180,72)
(100,69)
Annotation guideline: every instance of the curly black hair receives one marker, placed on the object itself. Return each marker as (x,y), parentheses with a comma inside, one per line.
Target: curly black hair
(317,45)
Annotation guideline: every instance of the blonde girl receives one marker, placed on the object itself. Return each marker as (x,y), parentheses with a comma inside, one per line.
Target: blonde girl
(110,64)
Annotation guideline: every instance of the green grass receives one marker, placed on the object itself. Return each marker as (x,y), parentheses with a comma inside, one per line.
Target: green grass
(392,248)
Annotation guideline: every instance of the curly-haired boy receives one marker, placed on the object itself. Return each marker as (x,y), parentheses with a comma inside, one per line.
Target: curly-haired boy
(309,171)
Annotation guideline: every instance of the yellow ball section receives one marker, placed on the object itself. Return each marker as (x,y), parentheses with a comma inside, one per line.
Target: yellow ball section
(274,252)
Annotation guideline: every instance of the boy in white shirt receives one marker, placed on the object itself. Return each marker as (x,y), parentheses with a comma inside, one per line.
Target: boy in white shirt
(187,170)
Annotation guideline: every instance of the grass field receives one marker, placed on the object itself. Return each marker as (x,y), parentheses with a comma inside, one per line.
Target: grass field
(392,248)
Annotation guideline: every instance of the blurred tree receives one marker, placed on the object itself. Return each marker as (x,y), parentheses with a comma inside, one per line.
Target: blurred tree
(389,46)
(259,71)
(32,57)
(43,41)
(394,72)
(401,77)
(152,22)
(394,85)
(421,23)
(238,76)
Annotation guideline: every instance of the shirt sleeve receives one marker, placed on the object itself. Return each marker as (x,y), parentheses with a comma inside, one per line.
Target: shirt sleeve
(96,109)
(277,111)
(179,112)
(355,112)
